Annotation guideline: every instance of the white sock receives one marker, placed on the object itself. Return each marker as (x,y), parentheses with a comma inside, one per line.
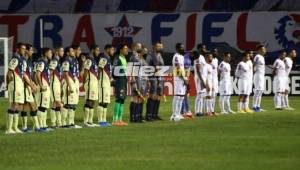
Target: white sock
(212,105)
(197,106)
(222,103)
(277,100)
(16,121)
(179,105)
(174,105)
(255,99)
(286,100)
(86,115)
(201,103)
(71,113)
(53,117)
(58,116)
(239,106)
(259,98)
(213,100)
(64,115)
(91,115)
(207,103)
(10,120)
(227,102)
(282,99)
(247,102)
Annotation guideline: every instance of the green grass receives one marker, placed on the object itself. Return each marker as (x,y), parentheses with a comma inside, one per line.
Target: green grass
(268,140)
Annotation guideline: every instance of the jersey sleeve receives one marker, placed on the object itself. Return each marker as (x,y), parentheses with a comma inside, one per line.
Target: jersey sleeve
(53,64)
(65,66)
(102,62)
(13,63)
(87,64)
(40,66)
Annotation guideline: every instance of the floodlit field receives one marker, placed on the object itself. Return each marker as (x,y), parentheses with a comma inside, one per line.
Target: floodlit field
(266,140)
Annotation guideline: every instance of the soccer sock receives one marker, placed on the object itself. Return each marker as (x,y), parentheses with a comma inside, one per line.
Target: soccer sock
(71,113)
(207,103)
(40,118)
(201,103)
(244,105)
(91,115)
(100,114)
(35,120)
(104,115)
(179,104)
(53,117)
(282,98)
(222,103)
(10,120)
(16,121)
(174,102)
(212,105)
(286,98)
(131,110)
(116,112)
(247,102)
(155,109)
(151,107)
(278,100)
(213,100)
(259,98)
(44,117)
(227,101)
(183,107)
(141,111)
(58,116)
(64,115)
(239,106)
(255,99)
(86,114)
(121,109)
(24,119)
(197,103)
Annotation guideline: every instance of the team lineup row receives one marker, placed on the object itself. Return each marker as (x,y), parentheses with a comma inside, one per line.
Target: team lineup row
(52,81)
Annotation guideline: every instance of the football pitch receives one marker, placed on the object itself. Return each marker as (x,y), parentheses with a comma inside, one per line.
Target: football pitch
(266,140)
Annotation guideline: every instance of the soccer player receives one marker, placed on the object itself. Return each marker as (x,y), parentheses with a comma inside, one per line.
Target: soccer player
(30,88)
(90,81)
(214,64)
(43,80)
(259,77)
(56,83)
(105,79)
(15,86)
(279,80)
(180,82)
(250,81)
(156,90)
(70,98)
(185,110)
(120,77)
(134,59)
(208,81)
(199,63)
(242,73)
(225,85)
(292,54)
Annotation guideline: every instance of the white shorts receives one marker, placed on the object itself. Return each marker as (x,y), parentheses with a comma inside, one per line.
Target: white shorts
(179,87)
(243,86)
(279,84)
(225,87)
(259,82)
(250,86)
(287,83)
(199,88)
(215,86)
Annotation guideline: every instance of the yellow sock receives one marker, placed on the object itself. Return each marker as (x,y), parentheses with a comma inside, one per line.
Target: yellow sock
(10,120)
(24,122)
(53,117)
(91,115)
(58,116)
(35,122)
(40,118)
(71,113)
(86,115)
(100,113)
(104,114)
(16,121)
(45,119)
(64,115)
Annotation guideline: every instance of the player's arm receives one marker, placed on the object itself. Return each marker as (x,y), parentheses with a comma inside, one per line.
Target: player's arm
(86,67)
(65,68)
(29,82)
(274,71)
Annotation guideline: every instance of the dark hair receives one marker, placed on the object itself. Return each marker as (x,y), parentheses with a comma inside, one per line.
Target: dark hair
(177,46)
(260,46)
(58,47)
(20,44)
(291,50)
(281,51)
(156,42)
(67,49)
(244,54)
(121,46)
(226,53)
(199,46)
(28,46)
(93,47)
(45,50)
(75,46)
(108,46)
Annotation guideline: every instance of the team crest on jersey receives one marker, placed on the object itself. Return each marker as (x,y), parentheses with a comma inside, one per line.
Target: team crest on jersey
(287,33)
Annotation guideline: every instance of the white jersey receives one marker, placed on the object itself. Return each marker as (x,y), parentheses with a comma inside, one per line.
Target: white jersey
(250,65)
(214,64)
(280,68)
(242,70)
(224,69)
(179,87)
(288,65)
(207,75)
(201,59)
(259,64)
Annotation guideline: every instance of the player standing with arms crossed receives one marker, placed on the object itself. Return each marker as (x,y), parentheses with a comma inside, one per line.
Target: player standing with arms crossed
(292,54)
(259,77)
(279,80)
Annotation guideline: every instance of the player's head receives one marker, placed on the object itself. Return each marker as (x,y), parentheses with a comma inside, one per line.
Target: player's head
(95,50)
(282,54)
(136,47)
(251,54)
(158,47)
(246,56)
(69,52)
(77,50)
(109,50)
(209,57)
(227,57)
(144,52)
(59,51)
(261,49)
(179,48)
(215,53)
(47,53)
(123,49)
(292,53)
(29,50)
(21,49)
(201,48)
